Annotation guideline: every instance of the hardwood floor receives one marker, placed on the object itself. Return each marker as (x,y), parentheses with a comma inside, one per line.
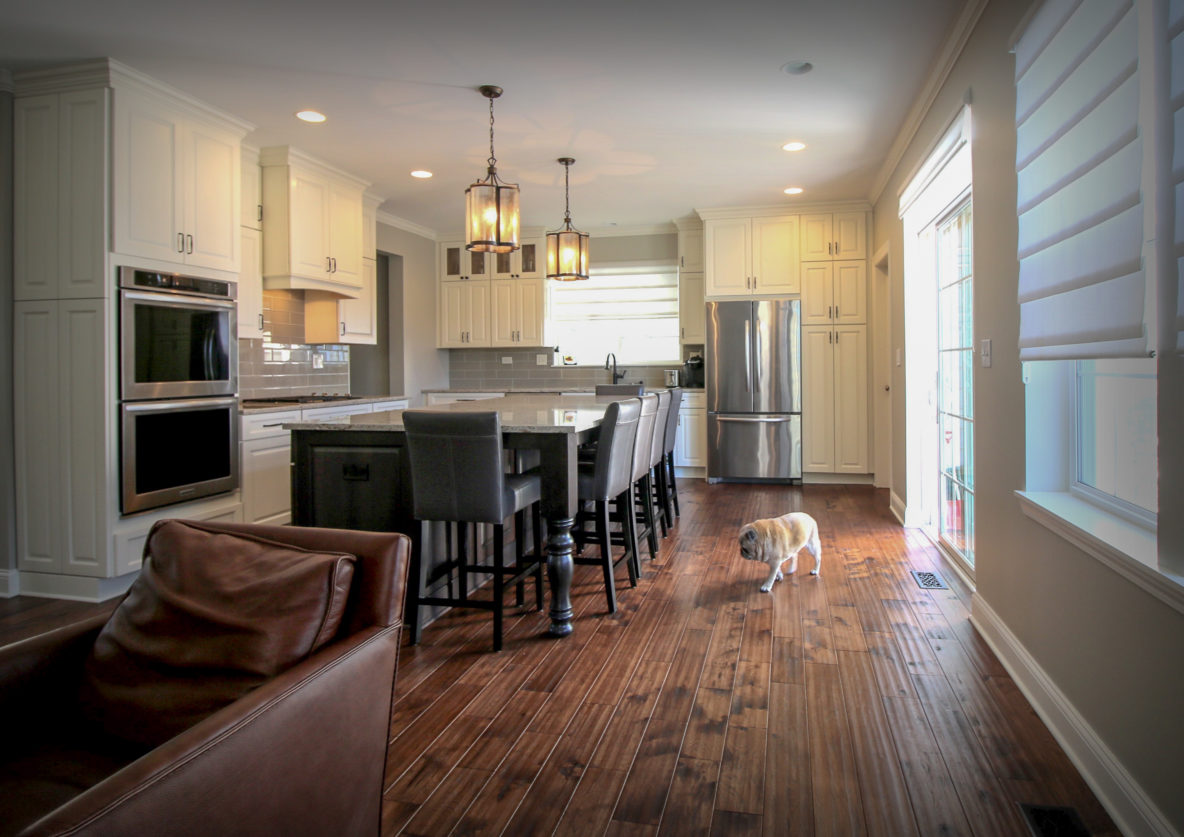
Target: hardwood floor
(849,703)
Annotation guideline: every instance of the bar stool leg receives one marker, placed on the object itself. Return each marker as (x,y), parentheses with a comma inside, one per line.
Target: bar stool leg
(662,499)
(499,582)
(673,483)
(624,505)
(647,493)
(606,554)
(519,553)
(540,558)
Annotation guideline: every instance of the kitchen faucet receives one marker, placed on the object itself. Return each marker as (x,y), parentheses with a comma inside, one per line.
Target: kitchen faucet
(617,376)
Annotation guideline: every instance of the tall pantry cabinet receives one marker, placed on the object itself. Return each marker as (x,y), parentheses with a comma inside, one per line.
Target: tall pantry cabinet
(110,168)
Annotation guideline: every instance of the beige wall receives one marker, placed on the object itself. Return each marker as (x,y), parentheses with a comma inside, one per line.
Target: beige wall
(7,450)
(1111,650)
(627,248)
(424,366)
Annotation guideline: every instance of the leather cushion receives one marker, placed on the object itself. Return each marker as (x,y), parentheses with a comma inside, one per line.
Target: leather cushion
(211,616)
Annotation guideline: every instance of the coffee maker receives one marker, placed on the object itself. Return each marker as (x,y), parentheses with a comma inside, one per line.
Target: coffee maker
(692,371)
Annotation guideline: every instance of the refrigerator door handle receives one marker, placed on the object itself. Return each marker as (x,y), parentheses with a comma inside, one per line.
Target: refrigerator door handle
(747,356)
(756,419)
(756,382)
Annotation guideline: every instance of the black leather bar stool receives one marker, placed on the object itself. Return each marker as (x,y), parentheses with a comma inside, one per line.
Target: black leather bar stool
(654,485)
(642,449)
(458,476)
(610,479)
(667,487)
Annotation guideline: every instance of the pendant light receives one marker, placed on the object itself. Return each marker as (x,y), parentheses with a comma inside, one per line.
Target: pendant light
(567,248)
(491,206)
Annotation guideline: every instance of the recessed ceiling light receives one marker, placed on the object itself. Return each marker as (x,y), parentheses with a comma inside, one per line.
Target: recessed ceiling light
(794,190)
(310,116)
(421,174)
(793,146)
(797,68)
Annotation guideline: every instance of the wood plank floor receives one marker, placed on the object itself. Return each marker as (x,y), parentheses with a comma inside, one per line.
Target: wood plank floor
(849,703)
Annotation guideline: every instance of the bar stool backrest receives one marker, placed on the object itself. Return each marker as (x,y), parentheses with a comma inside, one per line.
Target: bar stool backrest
(456,466)
(612,472)
(657,446)
(620,389)
(645,435)
(672,419)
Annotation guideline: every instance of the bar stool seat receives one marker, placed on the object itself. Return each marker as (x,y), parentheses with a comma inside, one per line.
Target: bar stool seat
(458,476)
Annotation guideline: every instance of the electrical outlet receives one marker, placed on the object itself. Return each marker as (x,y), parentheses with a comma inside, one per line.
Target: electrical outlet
(540,360)
(898,357)
(507,360)
(985,352)
(318,360)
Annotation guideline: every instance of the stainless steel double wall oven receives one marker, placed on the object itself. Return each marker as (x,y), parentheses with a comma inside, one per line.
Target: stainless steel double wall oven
(178,381)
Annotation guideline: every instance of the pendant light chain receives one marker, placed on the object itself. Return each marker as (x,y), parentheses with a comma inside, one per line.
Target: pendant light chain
(492,159)
(566,195)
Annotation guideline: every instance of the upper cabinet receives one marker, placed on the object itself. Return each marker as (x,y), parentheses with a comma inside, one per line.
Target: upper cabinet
(751,256)
(176,182)
(834,292)
(330,318)
(834,235)
(460,265)
(690,246)
(491,299)
(312,224)
(524,263)
(251,211)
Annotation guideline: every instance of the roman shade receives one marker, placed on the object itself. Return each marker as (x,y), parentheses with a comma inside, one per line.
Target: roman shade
(1080,170)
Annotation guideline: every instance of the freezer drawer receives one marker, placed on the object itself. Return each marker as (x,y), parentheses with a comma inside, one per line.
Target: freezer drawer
(754,446)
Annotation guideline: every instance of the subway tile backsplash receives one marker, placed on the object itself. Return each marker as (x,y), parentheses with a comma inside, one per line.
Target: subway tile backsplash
(476,368)
(280,363)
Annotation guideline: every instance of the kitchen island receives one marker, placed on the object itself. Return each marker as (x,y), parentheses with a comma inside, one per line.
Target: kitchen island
(352,472)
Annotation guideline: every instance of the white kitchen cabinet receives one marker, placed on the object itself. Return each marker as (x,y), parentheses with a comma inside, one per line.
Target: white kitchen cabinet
(434,398)
(690,248)
(460,265)
(265,466)
(516,312)
(692,315)
(251,209)
(690,443)
(834,399)
(751,256)
(829,236)
(393,404)
(330,318)
(834,292)
(463,311)
(312,224)
(524,263)
(250,286)
(60,199)
(176,179)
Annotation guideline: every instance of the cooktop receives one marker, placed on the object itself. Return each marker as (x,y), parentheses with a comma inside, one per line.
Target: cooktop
(281,400)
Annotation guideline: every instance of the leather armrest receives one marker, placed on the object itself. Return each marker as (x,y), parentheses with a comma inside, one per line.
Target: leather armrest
(304,753)
(42,671)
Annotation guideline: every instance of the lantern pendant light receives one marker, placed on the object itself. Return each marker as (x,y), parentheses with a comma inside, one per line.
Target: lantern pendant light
(491,206)
(567,248)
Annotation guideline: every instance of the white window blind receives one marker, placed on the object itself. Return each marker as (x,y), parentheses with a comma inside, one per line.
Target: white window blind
(1079,165)
(1175,36)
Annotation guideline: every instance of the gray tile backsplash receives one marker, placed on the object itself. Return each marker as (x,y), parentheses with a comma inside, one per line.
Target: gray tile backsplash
(280,363)
(475,368)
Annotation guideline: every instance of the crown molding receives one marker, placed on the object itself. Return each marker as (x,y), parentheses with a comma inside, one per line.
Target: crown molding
(6,85)
(782,209)
(635,229)
(407,226)
(942,67)
(283,155)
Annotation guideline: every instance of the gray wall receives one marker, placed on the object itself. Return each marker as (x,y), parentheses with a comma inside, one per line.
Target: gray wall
(7,452)
(632,248)
(423,366)
(369,366)
(1111,650)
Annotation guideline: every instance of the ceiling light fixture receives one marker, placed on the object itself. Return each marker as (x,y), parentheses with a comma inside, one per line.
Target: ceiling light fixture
(491,206)
(793,146)
(794,190)
(313,116)
(567,248)
(797,68)
(421,174)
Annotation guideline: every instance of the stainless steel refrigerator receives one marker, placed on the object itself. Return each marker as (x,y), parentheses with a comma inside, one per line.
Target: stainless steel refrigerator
(754,390)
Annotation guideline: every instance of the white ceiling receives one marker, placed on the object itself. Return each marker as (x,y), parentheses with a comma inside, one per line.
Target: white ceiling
(666,106)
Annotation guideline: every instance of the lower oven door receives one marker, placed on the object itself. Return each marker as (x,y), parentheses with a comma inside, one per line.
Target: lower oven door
(175,451)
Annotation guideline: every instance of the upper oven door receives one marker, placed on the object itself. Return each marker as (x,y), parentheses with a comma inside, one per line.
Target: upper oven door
(176,346)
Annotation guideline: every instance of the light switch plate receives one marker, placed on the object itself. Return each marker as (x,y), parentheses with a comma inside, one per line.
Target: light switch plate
(507,360)
(985,351)
(318,360)
(540,360)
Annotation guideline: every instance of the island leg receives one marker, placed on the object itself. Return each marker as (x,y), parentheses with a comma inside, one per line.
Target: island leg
(557,468)
(559,568)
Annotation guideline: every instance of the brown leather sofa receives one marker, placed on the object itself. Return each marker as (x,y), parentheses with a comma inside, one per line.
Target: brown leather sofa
(303,753)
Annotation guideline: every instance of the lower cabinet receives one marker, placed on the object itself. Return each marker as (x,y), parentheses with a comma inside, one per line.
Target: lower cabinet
(690,444)
(834,399)
(434,398)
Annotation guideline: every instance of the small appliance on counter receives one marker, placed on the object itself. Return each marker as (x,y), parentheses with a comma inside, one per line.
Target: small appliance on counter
(672,376)
(692,371)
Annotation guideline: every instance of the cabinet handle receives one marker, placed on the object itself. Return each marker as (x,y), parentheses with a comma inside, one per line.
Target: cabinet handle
(261,322)
(830,312)
(836,337)
(259,212)
(334,264)
(836,312)
(189,244)
(830,337)
(180,242)
(328,264)
(682,332)
(343,328)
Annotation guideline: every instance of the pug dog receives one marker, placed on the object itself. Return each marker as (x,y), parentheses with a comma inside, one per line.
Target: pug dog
(776,540)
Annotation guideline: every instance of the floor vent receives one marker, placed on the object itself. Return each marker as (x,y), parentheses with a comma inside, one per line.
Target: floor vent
(929,581)
(1054,821)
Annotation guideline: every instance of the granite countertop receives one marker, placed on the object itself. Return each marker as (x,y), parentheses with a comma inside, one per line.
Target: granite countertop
(529,390)
(520,413)
(341,402)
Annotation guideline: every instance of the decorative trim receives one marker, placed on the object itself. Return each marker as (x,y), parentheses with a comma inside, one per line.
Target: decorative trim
(407,226)
(897,507)
(285,155)
(1167,588)
(1133,811)
(942,67)
(769,210)
(10,584)
(76,588)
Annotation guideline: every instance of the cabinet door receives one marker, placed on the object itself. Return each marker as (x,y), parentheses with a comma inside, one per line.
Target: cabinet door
(251,204)
(850,235)
(690,250)
(503,312)
(850,292)
(146,180)
(359,316)
(452,262)
(464,315)
(211,175)
(309,225)
(250,286)
(692,315)
(35,197)
(817,293)
(728,253)
(817,240)
(267,481)
(35,424)
(530,298)
(690,449)
(818,396)
(479,305)
(345,234)
(775,255)
(850,410)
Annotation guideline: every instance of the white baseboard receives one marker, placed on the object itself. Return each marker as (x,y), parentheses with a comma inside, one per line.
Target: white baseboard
(1132,810)
(10,584)
(896,506)
(836,479)
(76,588)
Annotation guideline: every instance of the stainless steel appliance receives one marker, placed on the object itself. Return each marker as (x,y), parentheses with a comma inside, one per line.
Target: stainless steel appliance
(672,377)
(178,369)
(178,336)
(754,392)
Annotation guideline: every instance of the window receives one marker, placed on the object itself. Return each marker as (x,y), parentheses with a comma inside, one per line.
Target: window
(629,310)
